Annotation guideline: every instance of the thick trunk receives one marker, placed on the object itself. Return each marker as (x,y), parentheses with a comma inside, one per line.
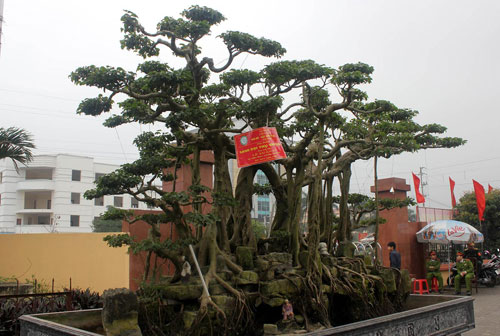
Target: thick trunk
(294,211)
(223,189)
(196,180)
(314,262)
(279,191)
(243,232)
(344,230)
(329,213)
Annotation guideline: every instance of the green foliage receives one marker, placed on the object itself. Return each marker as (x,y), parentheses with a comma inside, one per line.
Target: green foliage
(353,74)
(7,279)
(280,73)
(362,207)
(106,225)
(467,212)
(95,106)
(16,144)
(85,299)
(246,42)
(259,229)
(12,309)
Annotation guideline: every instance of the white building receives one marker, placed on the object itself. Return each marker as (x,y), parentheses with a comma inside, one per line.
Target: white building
(47,195)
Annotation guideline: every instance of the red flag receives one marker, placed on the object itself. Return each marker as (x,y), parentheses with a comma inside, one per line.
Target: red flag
(416,182)
(452,189)
(480,199)
(490,188)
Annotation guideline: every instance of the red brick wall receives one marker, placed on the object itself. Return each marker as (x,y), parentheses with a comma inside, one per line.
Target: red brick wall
(140,229)
(398,229)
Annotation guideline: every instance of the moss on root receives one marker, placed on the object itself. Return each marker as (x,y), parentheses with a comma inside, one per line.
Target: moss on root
(242,303)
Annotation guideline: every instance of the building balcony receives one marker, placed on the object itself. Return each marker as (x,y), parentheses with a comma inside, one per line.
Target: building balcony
(35,211)
(36,185)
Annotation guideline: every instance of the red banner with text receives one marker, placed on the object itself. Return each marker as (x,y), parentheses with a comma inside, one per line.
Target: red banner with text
(258,146)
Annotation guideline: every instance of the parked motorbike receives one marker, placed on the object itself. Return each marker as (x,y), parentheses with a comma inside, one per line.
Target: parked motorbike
(489,274)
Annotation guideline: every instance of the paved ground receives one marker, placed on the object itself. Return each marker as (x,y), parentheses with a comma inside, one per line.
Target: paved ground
(486,312)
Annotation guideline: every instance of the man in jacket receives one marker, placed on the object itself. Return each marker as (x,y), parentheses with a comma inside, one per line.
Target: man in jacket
(465,269)
(432,266)
(394,256)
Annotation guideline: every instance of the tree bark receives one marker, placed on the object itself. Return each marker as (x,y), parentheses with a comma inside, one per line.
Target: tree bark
(243,232)
(222,186)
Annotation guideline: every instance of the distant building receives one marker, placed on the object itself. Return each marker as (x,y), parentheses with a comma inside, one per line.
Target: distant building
(47,195)
(263,206)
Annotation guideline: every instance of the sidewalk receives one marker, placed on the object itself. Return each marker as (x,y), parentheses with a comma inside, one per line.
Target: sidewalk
(486,312)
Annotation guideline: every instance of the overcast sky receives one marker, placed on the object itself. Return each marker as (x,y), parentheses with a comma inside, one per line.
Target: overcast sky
(438,57)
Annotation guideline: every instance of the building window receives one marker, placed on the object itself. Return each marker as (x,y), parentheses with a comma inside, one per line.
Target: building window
(75,198)
(43,220)
(263,206)
(49,204)
(38,174)
(262,178)
(97,175)
(1,177)
(0,199)
(76,175)
(118,201)
(75,220)
(99,201)
(134,203)
(19,221)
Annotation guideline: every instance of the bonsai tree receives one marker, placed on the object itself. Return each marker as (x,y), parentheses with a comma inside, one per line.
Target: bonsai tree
(322,117)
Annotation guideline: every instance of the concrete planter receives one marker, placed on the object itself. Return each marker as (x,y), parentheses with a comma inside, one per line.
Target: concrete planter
(424,315)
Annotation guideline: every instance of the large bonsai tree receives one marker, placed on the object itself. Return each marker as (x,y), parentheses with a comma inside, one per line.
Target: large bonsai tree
(324,120)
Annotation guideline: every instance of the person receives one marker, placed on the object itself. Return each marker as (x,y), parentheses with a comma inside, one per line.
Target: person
(186,270)
(465,269)
(432,266)
(394,256)
(287,310)
(474,256)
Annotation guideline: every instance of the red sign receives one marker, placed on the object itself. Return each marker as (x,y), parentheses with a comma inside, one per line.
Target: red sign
(258,146)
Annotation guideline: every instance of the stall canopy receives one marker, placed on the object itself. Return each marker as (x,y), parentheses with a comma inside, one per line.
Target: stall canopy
(449,231)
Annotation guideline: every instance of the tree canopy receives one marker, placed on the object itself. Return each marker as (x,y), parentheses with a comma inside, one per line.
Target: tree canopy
(466,211)
(16,144)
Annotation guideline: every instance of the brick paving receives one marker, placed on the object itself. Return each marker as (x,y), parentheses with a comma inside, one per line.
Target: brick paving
(486,312)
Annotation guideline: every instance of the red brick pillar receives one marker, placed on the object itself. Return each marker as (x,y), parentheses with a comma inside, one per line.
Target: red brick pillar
(398,229)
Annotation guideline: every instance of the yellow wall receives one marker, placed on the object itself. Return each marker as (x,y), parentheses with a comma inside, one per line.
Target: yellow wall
(83,257)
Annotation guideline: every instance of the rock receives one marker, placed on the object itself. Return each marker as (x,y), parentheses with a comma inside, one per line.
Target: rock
(216,289)
(405,282)
(368,260)
(188,318)
(299,319)
(183,292)
(274,302)
(261,264)
(221,264)
(271,329)
(244,257)
(224,302)
(247,278)
(328,260)
(267,275)
(326,288)
(120,312)
(345,249)
(389,279)
(279,258)
(281,287)
(303,255)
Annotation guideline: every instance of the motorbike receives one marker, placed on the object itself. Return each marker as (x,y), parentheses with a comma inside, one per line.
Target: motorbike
(489,273)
